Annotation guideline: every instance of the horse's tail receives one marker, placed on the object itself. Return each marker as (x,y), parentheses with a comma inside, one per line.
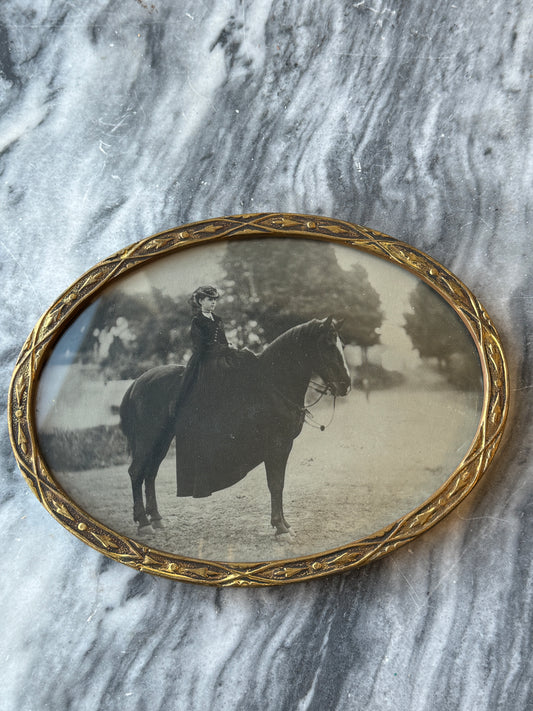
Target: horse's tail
(127,417)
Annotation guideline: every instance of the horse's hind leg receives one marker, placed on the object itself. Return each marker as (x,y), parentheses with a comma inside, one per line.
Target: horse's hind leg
(139,513)
(151,501)
(149,480)
(275,464)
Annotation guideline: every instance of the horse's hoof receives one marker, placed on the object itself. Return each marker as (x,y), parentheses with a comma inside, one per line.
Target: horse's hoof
(143,530)
(285,538)
(281,529)
(157,523)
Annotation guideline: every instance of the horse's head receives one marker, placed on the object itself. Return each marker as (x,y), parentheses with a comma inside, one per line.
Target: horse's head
(329,361)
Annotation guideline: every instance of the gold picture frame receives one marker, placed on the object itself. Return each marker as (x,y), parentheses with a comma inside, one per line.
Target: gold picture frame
(135,553)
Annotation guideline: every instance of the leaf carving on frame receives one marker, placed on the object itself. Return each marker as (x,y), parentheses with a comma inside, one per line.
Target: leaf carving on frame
(283,221)
(336,229)
(94,277)
(106,540)
(20,388)
(22,440)
(161,242)
(61,509)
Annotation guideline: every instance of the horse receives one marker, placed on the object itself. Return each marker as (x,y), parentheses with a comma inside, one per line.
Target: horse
(275,411)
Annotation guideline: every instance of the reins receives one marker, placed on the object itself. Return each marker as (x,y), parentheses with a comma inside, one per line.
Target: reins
(306,409)
(309,414)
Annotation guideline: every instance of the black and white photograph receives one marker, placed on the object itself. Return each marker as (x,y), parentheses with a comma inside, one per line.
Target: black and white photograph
(259,399)
(411,121)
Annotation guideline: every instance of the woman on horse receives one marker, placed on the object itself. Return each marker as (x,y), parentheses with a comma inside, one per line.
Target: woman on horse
(207,330)
(216,381)
(213,359)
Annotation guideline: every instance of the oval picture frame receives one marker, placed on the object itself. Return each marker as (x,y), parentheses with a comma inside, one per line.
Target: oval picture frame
(39,346)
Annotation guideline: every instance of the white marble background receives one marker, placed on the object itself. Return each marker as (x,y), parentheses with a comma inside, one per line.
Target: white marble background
(119,119)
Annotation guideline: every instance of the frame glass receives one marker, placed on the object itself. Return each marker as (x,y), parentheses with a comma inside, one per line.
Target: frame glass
(329,394)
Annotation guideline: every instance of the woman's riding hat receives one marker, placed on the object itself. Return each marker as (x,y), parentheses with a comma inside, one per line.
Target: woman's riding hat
(205,292)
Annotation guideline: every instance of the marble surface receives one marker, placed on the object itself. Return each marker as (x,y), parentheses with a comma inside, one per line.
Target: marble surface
(121,119)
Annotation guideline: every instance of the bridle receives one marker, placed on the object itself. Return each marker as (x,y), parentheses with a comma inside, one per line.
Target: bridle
(322,390)
(308,415)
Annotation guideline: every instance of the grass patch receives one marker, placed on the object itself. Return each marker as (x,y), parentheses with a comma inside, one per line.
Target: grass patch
(92,448)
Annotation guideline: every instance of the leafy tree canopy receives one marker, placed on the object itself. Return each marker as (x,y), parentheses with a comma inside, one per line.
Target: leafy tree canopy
(280,283)
(130,333)
(268,286)
(436,331)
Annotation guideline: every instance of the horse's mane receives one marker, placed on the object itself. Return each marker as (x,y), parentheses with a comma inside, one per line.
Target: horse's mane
(293,336)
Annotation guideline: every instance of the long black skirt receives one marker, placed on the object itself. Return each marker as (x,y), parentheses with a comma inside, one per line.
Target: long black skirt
(218,422)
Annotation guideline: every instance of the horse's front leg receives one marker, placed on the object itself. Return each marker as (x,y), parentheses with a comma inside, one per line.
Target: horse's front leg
(275,464)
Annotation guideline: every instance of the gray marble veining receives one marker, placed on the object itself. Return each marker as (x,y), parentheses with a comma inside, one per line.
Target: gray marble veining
(121,119)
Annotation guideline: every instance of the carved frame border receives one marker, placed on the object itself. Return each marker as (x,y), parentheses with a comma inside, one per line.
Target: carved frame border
(39,344)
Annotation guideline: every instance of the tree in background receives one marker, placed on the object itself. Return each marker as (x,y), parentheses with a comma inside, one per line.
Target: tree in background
(438,333)
(268,287)
(129,333)
(273,285)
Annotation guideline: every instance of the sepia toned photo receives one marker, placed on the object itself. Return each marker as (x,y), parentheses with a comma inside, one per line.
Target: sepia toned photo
(259,399)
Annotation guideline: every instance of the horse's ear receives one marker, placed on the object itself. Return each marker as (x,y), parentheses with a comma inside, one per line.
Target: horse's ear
(337,322)
(328,321)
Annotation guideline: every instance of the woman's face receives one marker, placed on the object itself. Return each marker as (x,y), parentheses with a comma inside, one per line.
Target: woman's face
(208,304)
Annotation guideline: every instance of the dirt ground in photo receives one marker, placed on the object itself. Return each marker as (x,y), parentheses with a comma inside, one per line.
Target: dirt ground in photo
(380,458)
